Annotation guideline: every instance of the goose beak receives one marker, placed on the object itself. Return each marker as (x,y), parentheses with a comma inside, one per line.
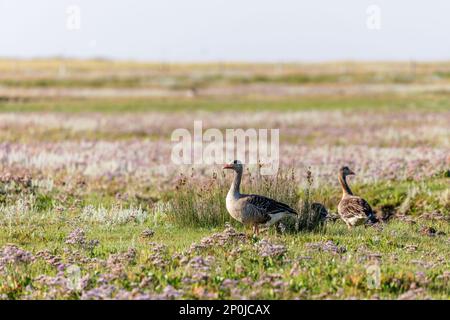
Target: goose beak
(228,166)
(351,172)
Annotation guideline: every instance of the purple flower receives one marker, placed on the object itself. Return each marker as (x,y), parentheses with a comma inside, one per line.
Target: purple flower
(267,249)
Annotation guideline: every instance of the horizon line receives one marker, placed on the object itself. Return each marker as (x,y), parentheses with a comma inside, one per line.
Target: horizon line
(217,61)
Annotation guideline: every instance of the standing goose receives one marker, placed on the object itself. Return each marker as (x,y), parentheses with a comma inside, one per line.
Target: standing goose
(252,209)
(353,209)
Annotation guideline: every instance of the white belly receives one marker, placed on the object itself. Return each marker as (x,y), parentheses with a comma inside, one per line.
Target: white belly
(232,210)
(275,218)
(356,221)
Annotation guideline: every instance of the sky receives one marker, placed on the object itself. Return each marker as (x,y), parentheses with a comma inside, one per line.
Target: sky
(226,30)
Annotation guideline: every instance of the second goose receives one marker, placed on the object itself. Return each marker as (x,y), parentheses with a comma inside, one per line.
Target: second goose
(352,209)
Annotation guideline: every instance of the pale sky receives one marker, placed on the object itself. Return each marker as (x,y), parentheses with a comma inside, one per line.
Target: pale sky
(226,30)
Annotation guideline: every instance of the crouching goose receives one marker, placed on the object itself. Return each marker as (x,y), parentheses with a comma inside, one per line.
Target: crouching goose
(320,211)
(353,209)
(252,209)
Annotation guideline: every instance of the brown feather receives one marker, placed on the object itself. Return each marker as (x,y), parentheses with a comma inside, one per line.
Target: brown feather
(354,210)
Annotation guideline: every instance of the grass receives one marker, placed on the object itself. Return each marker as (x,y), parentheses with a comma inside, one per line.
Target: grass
(65,73)
(192,205)
(186,82)
(304,272)
(426,102)
(327,263)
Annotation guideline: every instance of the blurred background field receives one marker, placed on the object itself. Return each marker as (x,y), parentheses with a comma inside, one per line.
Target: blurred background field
(393,115)
(218,79)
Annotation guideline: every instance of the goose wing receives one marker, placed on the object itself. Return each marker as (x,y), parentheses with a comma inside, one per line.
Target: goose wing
(355,207)
(268,206)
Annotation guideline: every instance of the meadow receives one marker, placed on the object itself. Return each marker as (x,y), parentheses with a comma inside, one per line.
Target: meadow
(91,206)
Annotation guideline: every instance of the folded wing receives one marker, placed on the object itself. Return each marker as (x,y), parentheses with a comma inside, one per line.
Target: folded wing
(355,207)
(267,207)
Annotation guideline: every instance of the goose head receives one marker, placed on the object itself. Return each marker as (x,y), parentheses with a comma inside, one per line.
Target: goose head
(236,165)
(345,171)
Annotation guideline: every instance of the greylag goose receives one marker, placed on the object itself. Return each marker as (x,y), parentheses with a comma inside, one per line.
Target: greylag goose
(252,209)
(352,209)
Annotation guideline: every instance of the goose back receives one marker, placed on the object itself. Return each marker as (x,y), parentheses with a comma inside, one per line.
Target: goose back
(355,210)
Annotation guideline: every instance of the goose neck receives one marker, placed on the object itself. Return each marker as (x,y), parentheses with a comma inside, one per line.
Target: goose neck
(345,188)
(235,186)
